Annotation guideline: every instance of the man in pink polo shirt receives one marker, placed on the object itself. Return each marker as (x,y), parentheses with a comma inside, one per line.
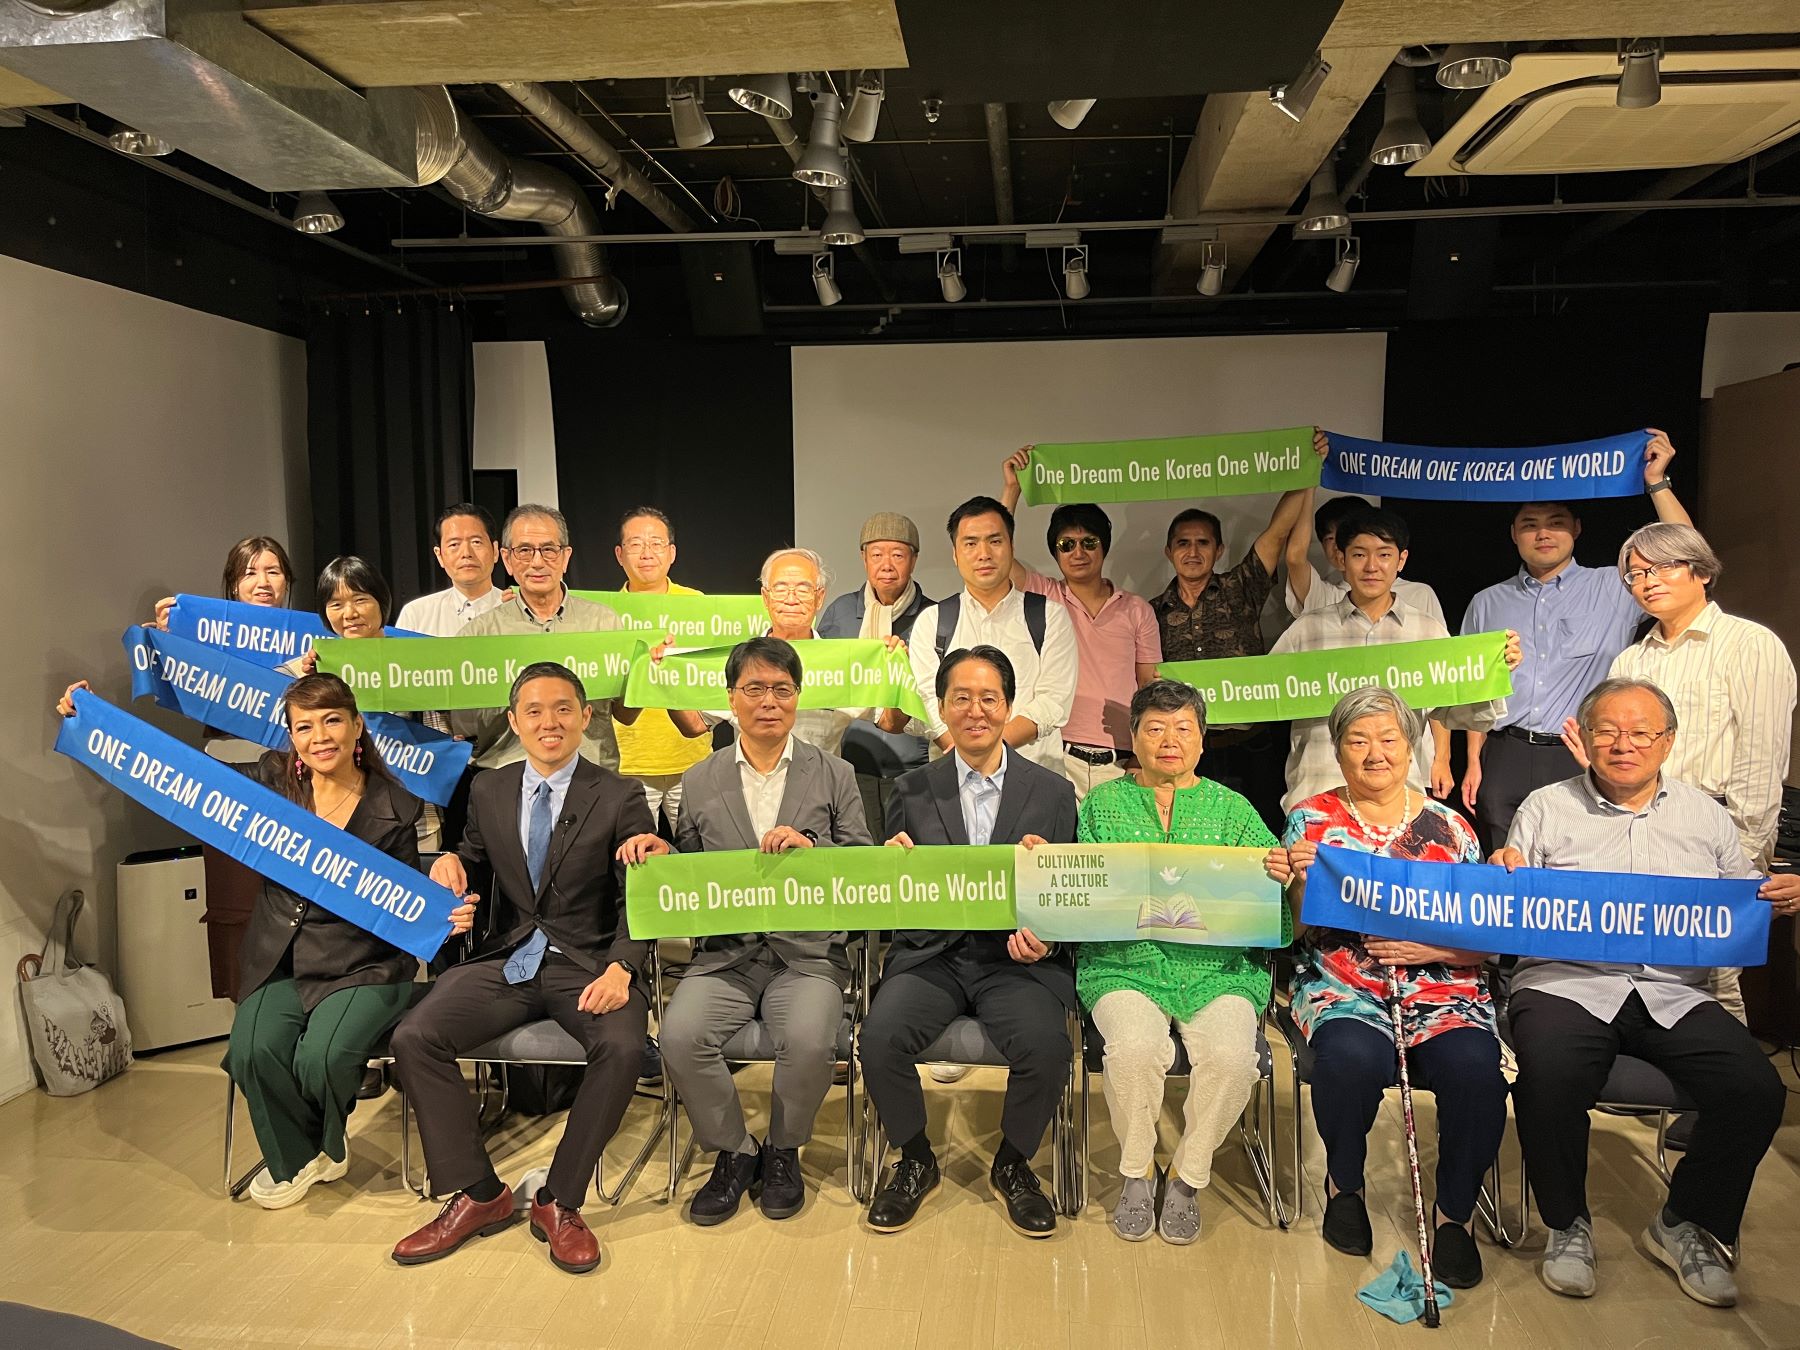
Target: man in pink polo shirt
(1116,637)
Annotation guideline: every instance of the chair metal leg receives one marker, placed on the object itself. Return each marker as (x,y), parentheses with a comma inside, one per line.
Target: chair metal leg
(630,1174)
(1490,1204)
(1662,1147)
(235,1188)
(1257,1129)
(406,1179)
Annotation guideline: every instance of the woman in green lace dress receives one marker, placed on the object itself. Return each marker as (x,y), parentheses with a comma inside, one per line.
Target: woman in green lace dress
(1213,996)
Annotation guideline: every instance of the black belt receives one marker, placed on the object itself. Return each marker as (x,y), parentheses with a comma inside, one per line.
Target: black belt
(1529,737)
(1090,754)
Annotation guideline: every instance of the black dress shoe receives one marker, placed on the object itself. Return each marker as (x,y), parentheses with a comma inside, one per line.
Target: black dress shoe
(1346,1225)
(1028,1209)
(897,1203)
(783,1192)
(1455,1259)
(732,1175)
(650,1071)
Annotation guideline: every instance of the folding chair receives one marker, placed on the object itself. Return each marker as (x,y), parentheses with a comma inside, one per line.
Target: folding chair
(235,1188)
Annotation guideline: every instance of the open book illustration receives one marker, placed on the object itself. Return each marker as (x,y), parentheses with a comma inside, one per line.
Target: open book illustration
(1175,911)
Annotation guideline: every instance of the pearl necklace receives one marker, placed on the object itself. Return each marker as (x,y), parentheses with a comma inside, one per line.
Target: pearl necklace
(1382,835)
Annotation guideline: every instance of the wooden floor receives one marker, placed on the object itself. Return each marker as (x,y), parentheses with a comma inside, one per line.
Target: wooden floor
(111,1208)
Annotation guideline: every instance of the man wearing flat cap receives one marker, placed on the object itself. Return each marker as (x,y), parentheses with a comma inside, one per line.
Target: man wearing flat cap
(888,602)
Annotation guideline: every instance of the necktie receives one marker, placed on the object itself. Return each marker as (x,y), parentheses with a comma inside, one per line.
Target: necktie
(529,955)
(987,802)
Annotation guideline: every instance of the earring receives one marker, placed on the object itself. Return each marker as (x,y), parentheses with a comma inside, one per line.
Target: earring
(356,755)
(299,769)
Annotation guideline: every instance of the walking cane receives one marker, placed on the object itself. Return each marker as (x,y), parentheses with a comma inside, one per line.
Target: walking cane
(1412,1153)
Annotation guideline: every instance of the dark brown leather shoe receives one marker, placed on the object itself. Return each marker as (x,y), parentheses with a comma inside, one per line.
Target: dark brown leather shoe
(573,1246)
(457,1222)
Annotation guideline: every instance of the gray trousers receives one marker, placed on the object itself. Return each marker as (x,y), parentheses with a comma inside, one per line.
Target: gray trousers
(803,1014)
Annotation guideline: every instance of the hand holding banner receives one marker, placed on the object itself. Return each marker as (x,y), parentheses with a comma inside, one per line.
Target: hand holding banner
(838,673)
(261,829)
(415,675)
(1208,896)
(1608,917)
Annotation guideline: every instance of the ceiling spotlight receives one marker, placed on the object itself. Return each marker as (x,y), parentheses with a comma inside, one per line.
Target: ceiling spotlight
(864,112)
(841,225)
(128,141)
(1401,139)
(1068,112)
(316,213)
(687,109)
(822,162)
(949,275)
(767,95)
(1324,212)
(1473,65)
(1212,267)
(1640,82)
(1075,271)
(1295,97)
(824,274)
(1343,271)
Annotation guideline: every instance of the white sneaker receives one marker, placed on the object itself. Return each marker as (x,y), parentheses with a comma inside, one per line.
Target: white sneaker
(333,1171)
(948,1073)
(272,1194)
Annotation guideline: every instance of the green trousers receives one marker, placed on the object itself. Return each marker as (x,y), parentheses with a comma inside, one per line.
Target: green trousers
(299,1072)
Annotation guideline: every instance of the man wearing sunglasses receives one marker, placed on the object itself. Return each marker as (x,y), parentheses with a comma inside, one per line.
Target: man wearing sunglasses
(1115,633)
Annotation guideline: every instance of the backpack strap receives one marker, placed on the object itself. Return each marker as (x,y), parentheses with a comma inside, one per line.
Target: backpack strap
(1036,618)
(949,614)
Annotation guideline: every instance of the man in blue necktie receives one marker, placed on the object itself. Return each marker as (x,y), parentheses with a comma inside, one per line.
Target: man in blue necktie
(558,948)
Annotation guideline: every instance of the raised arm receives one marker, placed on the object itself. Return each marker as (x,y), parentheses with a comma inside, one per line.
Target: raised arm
(1657,455)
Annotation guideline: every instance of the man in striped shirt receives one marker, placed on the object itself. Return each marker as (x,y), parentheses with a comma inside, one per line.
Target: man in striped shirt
(1732,684)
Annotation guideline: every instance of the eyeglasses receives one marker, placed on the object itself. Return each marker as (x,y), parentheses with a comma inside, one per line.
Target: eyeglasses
(1640,740)
(795,590)
(1662,571)
(548,552)
(636,544)
(988,703)
(756,693)
(1087,544)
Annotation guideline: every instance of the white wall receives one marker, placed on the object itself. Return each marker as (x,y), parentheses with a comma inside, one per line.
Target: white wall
(140,440)
(919,428)
(1743,347)
(514,428)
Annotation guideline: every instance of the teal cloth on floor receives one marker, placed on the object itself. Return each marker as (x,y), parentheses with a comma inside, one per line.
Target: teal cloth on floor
(1398,1293)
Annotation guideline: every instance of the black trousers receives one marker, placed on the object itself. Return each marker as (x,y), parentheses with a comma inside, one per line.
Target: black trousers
(472,1004)
(1511,770)
(1022,1017)
(1565,1054)
(1253,764)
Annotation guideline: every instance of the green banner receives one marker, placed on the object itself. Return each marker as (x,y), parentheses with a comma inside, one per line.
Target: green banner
(1435,673)
(693,620)
(1215,897)
(1169,468)
(417,674)
(820,890)
(838,673)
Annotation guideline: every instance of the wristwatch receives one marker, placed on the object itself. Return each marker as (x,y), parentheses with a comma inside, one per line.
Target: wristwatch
(629,969)
(1662,485)
(811,836)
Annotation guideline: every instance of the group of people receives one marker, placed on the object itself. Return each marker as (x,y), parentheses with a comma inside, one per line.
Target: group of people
(1661,751)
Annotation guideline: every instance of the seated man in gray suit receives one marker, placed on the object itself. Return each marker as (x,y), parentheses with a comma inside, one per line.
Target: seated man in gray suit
(773,792)
(1016,986)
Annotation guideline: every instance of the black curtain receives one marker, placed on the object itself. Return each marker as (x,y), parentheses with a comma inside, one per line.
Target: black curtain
(390,404)
(702,429)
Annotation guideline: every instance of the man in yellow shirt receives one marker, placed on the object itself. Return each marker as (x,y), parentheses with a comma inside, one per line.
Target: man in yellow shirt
(652,750)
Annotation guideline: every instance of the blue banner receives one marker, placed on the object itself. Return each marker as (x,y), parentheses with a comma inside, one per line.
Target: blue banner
(259,634)
(261,829)
(1611,917)
(1612,466)
(241,698)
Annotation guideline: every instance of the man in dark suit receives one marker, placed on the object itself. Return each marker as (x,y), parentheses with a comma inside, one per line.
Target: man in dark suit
(550,828)
(1016,986)
(773,792)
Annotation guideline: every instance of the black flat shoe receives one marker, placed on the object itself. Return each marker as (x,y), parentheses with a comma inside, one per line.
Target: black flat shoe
(783,1192)
(1455,1259)
(1346,1225)
(897,1203)
(733,1174)
(1028,1209)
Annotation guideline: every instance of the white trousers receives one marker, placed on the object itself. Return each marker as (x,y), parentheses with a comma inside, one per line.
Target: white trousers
(1221,1047)
(664,791)
(1086,777)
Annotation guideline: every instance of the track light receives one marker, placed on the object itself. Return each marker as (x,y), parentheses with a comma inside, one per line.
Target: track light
(864,112)
(1473,65)
(949,275)
(841,225)
(1402,140)
(129,141)
(316,213)
(1075,271)
(1212,267)
(765,95)
(1324,211)
(1295,97)
(687,110)
(1343,271)
(1068,112)
(821,164)
(1640,82)
(824,275)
